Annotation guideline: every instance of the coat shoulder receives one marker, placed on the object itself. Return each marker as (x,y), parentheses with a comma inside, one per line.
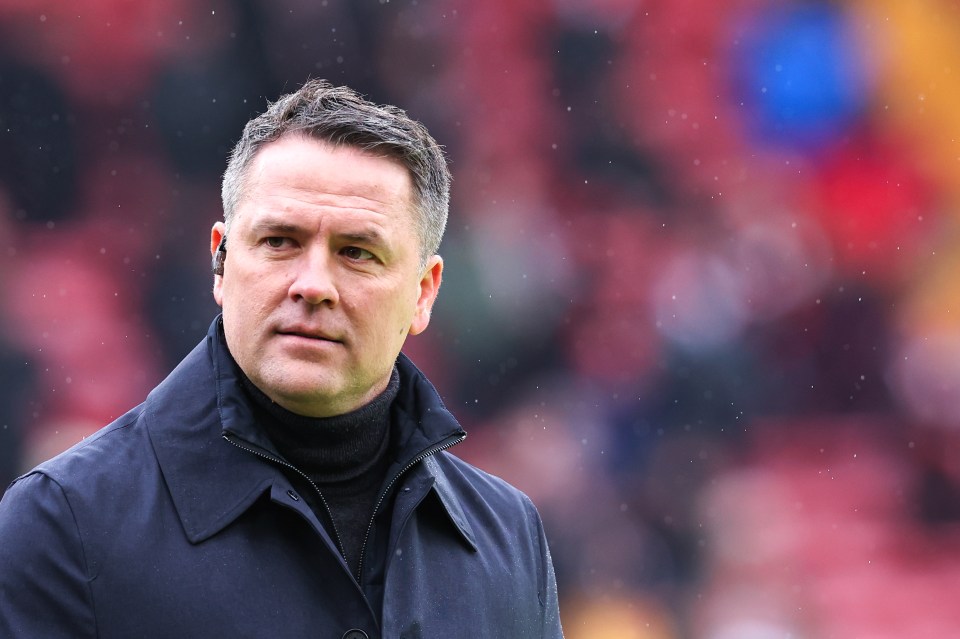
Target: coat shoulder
(459,470)
(107,451)
(482,493)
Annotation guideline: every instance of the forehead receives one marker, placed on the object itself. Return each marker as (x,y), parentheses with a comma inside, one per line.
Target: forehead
(297,168)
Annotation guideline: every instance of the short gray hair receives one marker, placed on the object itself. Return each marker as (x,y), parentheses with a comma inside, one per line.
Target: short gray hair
(340,116)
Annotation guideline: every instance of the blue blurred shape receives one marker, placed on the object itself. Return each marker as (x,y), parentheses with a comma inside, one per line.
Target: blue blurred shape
(802,76)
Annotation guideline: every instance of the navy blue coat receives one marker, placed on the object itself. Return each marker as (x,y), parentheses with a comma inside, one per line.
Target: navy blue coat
(169,523)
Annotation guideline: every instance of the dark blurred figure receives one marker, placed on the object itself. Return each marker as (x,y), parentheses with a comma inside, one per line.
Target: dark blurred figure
(15,377)
(37,164)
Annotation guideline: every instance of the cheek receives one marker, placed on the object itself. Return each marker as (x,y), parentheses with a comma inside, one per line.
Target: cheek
(246,307)
(385,315)
(403,316)
(254,292)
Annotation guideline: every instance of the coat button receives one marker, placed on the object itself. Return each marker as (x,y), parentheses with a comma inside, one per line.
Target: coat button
(355,634)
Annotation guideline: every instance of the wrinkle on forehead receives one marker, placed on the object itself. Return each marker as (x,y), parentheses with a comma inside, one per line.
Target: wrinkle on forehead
(299,196)
(378,190)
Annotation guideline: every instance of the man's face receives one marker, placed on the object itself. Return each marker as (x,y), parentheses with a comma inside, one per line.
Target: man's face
(322,281)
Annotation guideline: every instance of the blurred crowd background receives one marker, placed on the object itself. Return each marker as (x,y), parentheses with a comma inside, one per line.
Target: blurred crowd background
(701,293)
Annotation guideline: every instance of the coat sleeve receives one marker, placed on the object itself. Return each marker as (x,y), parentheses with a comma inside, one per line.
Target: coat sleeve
(44,588)
(549,598)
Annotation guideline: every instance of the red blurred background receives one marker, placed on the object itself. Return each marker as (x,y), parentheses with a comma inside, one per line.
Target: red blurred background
(701,294)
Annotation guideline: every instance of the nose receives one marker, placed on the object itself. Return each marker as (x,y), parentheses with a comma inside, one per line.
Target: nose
(313,279)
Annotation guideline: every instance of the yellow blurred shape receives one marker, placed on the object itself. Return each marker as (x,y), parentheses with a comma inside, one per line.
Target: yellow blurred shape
(617,618)
(914,46)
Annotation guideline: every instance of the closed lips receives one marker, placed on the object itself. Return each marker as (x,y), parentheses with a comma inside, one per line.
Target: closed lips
(307,334)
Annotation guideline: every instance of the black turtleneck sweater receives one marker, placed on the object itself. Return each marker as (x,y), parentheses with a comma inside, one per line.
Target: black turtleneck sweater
(345,457)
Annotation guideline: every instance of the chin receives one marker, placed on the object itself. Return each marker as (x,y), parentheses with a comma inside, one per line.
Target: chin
(299,384)
(307,392)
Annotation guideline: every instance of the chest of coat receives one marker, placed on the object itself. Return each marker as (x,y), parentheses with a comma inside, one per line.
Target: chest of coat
(271,573)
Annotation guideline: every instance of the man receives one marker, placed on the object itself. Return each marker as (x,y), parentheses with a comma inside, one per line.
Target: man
(290,477)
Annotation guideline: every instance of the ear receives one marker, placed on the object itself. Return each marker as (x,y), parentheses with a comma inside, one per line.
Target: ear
(429,287)
(217,233)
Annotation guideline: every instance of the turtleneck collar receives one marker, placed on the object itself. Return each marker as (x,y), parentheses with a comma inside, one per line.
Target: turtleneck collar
(328,449)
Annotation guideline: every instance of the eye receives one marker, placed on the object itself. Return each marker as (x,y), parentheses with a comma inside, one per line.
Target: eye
(357,253)
(275,242)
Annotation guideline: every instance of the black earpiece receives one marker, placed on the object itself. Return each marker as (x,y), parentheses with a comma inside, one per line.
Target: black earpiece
(220,256)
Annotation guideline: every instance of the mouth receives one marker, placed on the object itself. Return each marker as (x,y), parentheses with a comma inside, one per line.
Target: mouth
(307,334)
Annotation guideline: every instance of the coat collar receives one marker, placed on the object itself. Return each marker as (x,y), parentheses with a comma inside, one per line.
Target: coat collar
(212,481)
(450,500)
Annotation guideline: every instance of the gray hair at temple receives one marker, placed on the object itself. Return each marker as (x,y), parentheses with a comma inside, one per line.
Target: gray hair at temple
(340,116)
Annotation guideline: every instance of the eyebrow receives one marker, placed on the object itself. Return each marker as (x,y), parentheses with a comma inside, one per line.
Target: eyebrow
(363,237)
(276,226)
(370,237)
